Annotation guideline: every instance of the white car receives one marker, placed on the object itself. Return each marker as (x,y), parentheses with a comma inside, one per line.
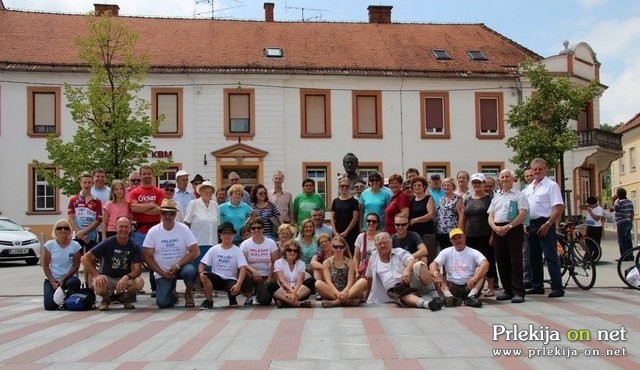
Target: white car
(17,243)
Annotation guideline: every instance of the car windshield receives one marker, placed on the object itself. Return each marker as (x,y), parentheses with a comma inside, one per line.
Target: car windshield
(6,225)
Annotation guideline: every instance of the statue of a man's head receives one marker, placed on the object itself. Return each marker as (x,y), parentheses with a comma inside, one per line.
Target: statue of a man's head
(350,163)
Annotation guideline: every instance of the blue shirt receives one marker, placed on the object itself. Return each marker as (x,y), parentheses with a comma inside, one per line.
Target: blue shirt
(183,198)
(374,203)
(237,215)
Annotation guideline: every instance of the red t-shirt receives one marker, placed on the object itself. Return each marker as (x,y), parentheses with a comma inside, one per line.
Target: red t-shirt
(143,195)
(397,203)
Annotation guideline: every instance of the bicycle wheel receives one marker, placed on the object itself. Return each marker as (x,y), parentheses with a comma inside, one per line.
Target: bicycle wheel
(583,270)
(626,263)
(594,248)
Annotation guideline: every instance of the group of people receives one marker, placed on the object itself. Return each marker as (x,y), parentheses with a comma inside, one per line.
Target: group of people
(418,243)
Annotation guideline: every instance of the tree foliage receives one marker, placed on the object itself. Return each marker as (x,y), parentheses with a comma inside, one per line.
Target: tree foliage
(113,127)
(542,121)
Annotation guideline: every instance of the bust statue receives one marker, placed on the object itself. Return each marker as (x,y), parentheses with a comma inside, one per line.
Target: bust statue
(350,164)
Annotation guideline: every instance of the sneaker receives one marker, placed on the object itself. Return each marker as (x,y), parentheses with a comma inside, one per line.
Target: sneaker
(126,299)
(517,299)
(329,304)
(206,304)
(504,297)
(233,301)
(319,297)
(153,294)
(248,301)
(452,301)
(435,304)
(473,302)
(556,293)
(535,291)
(527,285)
(104,305)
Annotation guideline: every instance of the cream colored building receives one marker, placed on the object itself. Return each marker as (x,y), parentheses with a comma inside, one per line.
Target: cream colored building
(257,97)
(625,172)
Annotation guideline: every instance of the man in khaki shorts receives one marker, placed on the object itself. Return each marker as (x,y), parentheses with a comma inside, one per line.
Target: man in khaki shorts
(120,261)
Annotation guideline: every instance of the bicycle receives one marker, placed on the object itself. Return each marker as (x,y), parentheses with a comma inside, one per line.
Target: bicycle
(575,257)
(626,263)
(580,233)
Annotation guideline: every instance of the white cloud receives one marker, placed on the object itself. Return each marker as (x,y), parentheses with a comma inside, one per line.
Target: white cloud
(615,42)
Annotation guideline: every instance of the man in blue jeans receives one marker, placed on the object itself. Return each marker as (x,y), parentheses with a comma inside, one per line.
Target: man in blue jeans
(624,215)
(168,249)
(546,207)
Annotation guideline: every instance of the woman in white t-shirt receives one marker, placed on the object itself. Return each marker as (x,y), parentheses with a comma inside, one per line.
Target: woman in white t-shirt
(289,290)
(367,238)
(202,217)
(260,252)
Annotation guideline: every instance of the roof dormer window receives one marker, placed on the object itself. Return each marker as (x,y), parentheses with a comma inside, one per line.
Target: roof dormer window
(476,55)
(273,52)
(441,54)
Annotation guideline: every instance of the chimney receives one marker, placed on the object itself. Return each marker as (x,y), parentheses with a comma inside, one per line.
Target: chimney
(100,9)
(380,13)
(268,12)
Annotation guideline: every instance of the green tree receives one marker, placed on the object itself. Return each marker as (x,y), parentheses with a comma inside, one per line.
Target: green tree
(113,128)
(542,121)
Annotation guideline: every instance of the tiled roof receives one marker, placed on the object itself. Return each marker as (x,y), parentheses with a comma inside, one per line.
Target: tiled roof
(45,41)
(630,124)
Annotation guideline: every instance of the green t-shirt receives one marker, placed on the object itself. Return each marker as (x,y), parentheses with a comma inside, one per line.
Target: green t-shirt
(303,204)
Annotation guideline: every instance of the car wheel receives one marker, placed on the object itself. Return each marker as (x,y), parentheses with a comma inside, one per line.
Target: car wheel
(31,261)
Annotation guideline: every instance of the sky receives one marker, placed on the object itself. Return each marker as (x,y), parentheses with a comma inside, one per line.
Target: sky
(610,27)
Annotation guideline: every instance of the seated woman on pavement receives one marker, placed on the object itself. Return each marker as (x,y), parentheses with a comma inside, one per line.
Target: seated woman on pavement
(465,268)
(289,289)
(395,276)
(339,286)
(260,252)
(60,263)
(228,269)
(325,251)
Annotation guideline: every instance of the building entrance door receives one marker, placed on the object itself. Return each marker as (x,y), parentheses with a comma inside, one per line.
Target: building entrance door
(248,175)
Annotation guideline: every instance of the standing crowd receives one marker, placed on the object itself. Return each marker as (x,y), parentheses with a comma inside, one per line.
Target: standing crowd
(416,242)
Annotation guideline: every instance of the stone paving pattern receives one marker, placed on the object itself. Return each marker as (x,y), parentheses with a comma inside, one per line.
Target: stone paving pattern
(366,337)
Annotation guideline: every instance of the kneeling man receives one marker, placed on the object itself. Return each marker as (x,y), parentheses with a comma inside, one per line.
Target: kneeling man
(465,269)
(120,266)
(168,250)
(396,276)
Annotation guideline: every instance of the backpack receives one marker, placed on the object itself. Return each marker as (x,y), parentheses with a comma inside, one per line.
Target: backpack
(81,300)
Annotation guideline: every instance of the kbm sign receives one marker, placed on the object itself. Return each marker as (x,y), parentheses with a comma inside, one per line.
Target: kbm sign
(161,154)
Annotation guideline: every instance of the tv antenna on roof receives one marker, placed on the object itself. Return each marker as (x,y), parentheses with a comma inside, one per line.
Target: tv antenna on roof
(318,11)
(213,10)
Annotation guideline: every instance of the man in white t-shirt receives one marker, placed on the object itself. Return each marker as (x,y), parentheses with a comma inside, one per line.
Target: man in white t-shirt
(228,269)
(465,268)
(168,249)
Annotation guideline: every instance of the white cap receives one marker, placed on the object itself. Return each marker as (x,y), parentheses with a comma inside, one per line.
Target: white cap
(182,173)
(478,177)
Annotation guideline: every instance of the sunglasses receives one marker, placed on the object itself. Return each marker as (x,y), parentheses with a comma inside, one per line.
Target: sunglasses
(135,181)
(372,221)
(227,232)
(374,180)
(344,186)
(60,228)
(339,246)
(171,190)
(168,213)
(256,227)
(401,225)
(292,250)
